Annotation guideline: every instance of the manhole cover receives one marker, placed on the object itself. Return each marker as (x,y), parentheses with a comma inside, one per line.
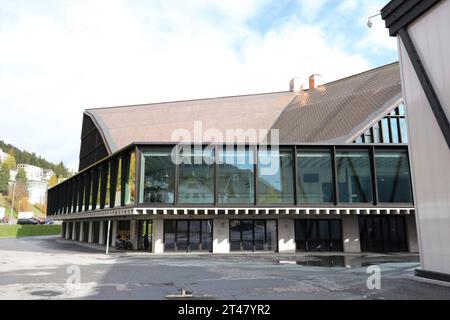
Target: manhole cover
(46,293)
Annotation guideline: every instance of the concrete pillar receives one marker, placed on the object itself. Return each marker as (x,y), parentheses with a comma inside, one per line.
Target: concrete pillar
(81,236)
(63,229)
(68,226)
(112,240)
(411,232)
(286,236)
(101,233)
(158,236)
(133,234)
(221,232)
(74,231)
(350,233)
(91,232)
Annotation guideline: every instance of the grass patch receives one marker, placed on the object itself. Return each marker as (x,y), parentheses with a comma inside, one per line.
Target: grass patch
(16,231)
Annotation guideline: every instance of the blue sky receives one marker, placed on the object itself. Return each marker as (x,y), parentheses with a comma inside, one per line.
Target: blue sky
(59,57)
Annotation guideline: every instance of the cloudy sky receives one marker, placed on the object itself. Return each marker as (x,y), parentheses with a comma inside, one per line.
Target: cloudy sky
(59,57)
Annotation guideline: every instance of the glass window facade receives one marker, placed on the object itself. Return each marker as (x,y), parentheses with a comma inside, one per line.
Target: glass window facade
(315,176)
(188,235)
(312,176)
(196,176)
(393,176)
(236,177)
(275,177)
(253,235)
(318,235)
(390,129)
(354,176)
(158,177)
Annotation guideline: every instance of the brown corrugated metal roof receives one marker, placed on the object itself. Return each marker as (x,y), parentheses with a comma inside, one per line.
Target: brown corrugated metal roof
(337,111)
(333,112)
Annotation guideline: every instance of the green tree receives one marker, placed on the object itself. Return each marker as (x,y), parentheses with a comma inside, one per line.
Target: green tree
(21,176)
(4,177)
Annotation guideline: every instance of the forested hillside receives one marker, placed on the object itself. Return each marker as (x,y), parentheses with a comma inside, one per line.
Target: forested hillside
(23,156)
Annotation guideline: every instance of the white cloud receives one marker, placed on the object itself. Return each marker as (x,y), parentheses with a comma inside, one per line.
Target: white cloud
(104,53)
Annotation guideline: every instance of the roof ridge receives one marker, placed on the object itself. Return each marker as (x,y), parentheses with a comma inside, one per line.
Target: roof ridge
(361,73)
(189,100)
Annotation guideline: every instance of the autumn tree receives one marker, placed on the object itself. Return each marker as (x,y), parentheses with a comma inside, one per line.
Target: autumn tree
(53,181)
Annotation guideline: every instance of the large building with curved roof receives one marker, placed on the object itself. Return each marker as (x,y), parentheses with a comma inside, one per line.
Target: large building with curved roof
(319,169)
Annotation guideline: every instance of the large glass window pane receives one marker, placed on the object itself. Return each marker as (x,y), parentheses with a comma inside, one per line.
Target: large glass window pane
(130,194)
(118,184)
(376,133)
(235,235)
(385,127)
(315,179)
(169,235)
(194,234)
(207,234)
(354,176)
(403,130)
(236,176)
(108,185)
(196,177)
(260,234)
(182,235)
(158,177)
(394,128)
(247,235)
(393,176)
(275,177)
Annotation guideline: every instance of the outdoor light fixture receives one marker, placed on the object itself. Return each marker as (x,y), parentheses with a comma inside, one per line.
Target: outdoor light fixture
(369,22)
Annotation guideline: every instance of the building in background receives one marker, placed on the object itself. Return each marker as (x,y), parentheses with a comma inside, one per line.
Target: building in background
(32,172)
(3,156)
(47,174)
(422,30)
(37,191)
(340,181)
(36,183)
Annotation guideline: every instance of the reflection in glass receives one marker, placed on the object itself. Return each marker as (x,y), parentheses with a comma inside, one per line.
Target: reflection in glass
(393,176)
(315,179)
(118,184)
(275,177)
(403,130)
(196,177)
(385,128)
(158,177)
(253,235)
(169,235)
(354,176)
(236,176)
(394,129)
(130,189)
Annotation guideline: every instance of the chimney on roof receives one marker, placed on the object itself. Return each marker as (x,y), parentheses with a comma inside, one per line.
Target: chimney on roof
(314,81)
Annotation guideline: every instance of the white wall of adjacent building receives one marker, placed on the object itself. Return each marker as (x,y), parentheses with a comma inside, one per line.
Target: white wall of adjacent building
(429,153)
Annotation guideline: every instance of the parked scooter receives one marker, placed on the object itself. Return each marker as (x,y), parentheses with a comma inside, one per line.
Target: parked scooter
(123,244)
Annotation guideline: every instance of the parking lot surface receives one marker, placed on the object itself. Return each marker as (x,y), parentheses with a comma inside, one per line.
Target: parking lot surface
(51,268)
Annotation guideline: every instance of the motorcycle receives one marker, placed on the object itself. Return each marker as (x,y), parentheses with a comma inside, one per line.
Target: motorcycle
(123,244)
